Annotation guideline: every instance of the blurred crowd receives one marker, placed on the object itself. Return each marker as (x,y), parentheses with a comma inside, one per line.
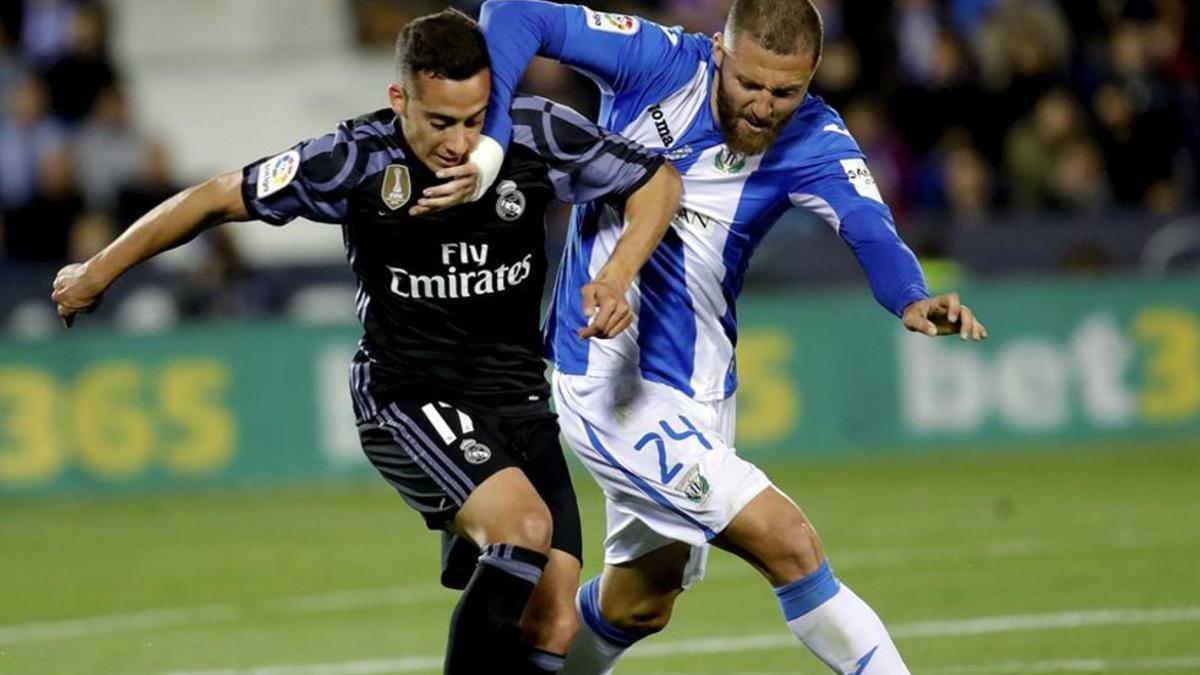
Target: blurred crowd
(969,111)
(969,108)
(965,107)
(75,169)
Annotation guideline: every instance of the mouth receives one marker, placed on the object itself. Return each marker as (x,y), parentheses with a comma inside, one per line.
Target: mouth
(447,162)
(756,126)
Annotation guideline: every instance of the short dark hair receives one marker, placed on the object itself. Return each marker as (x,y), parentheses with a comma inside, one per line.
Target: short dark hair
(447,45)
(778,25)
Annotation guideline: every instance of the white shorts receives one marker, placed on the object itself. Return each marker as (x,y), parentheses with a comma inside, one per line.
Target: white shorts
(665,462)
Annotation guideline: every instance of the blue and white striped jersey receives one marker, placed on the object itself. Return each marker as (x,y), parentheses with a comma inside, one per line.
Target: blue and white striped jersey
(656,84)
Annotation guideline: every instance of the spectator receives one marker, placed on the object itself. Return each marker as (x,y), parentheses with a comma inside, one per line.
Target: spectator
(27,137)
(151,185)
(891,164)
(76,79)
(947,97)
(1022,50)
(40,230)
(109,150)
(1034,147)
(956,180)
(1078,183)
(46,29)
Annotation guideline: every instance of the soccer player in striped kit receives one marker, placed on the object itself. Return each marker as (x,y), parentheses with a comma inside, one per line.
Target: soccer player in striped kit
(651,412)
(448,382)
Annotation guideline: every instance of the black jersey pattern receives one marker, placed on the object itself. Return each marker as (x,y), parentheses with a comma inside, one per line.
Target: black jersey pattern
(449,303)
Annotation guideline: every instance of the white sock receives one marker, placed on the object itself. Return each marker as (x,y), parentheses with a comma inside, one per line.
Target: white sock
(598,644)
(838,627)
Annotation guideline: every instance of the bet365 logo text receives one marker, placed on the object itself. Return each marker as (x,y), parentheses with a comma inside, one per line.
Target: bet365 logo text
(1106,374)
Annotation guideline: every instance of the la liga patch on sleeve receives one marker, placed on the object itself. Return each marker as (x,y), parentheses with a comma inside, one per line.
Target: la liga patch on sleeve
(622,24)
(276,173)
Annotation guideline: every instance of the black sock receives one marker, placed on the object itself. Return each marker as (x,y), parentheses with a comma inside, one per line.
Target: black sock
(541,662)
(485,629)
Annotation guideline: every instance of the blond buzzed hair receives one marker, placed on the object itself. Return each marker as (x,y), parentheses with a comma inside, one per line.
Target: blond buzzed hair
(780,26)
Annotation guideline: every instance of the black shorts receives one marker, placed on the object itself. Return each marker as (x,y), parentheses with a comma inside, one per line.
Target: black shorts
(435,453)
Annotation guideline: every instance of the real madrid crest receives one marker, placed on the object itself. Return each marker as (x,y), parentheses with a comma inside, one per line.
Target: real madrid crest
(510,204)
(397,186)
(474,451)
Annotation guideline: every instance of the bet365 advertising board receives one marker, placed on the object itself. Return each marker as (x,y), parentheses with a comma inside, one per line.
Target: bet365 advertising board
(1069,364)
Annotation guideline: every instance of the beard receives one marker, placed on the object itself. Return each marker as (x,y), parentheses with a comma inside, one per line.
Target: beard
(737,137)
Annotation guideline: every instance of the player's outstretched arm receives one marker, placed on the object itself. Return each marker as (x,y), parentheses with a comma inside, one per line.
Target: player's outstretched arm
(943,315)
(79,287)
(648,214)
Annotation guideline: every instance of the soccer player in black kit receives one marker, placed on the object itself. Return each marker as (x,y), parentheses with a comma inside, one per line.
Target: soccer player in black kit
(448,384)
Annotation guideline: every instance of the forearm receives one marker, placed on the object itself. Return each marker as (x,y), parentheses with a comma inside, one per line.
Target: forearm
(648,214)
(892,270)
(171,223)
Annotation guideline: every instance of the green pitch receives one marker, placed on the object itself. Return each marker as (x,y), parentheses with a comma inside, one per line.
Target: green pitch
(1036,562)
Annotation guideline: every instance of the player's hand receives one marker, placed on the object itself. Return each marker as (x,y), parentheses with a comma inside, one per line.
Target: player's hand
(608,312)
(458,188)
(943,315)
(76,292)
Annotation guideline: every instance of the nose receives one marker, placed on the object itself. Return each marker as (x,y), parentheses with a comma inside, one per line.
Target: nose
(761,107)
(457,140)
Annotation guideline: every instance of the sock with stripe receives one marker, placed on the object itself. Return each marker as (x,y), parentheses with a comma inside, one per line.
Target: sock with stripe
(598,644)
(485,628)
(542,662)
(838,627)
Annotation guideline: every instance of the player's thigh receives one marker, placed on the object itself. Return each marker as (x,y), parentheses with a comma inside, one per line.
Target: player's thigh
(660,457)
(452,467)
(774,535)
(535,442)
(505,508)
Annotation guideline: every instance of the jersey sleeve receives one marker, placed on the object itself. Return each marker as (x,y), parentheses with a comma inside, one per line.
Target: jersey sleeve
(842,193)
(620,52)
(585,161)
(309,180)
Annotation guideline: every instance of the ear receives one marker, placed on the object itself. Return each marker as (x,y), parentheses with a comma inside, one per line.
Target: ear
(397,99)
(718,48)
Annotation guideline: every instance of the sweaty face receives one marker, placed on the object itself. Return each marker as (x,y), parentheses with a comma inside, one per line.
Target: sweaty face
(756,91)
(442,118)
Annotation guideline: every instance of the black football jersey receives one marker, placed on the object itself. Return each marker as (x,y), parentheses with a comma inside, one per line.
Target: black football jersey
(449,302)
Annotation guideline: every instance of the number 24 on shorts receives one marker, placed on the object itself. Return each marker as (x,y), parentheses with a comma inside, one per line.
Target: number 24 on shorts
(654,437)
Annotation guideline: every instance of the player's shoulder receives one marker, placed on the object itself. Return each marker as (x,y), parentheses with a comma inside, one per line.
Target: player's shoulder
(632,24)
(816,134)
(536,119)
(374,128)
(531,106)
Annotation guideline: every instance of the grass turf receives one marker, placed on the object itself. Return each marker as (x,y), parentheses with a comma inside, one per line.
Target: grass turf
(340,579)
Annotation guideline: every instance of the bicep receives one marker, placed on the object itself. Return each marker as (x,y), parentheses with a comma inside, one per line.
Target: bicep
(618,51)
(308,181)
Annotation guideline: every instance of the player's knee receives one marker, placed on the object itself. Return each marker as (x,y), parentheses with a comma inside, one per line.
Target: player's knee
(530,527)
(798,554)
